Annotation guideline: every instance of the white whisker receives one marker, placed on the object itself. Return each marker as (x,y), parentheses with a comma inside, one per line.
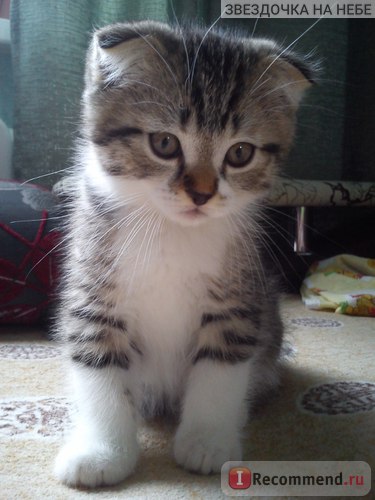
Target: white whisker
(183,42)
(236,274)
(162,59)
(283,52)
(71,233)
(265,236)
(257,266)
(158,90)
(141,219)
(150,233)
(46,255)
(38,220)
(255,26)
(276,89)
(45,175)
(191,76)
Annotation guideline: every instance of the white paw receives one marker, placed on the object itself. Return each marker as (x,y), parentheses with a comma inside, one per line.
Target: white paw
(205,450)
(79,464)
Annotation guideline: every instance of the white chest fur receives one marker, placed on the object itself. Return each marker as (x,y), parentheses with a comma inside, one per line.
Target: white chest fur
(163,295)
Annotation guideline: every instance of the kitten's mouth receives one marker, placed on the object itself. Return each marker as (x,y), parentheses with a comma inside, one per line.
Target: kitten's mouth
(193,213)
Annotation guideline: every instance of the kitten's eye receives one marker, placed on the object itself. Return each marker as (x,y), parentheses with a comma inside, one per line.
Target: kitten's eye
(240,154)
(165,145)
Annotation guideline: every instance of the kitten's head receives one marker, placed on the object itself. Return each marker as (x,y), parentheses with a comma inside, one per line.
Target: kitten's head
(194,123)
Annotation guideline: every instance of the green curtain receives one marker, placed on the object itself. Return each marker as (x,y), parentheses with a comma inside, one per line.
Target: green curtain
(359,139)
(49,40)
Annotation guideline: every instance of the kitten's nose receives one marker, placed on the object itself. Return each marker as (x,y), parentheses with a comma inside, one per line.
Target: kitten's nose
(199,198)
(198,191)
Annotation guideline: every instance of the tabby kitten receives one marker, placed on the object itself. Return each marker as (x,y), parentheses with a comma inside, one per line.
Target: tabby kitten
(166,305)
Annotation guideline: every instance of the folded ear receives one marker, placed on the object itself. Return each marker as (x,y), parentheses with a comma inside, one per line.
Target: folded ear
(111,36)
(298,73)
(117,48)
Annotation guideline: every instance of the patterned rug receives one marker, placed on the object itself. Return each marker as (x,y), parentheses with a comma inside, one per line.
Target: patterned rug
(325,411)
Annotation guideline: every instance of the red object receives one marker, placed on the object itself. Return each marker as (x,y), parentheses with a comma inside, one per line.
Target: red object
(239,478)
(5,9)
(38,273)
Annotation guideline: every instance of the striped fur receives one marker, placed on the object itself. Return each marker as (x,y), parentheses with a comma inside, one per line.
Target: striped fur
(166,305)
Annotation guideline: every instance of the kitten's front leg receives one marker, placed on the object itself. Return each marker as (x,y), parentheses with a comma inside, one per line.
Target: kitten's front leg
(103,448)
(214,413)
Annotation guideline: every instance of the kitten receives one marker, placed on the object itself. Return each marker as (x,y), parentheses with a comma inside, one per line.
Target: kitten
(166,306)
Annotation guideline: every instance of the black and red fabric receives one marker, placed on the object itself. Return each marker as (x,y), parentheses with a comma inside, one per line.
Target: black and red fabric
(29,248)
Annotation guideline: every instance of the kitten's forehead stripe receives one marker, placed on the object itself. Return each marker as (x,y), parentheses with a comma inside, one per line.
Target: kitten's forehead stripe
(220,70)
(236,121)
(235,96)
(184,116)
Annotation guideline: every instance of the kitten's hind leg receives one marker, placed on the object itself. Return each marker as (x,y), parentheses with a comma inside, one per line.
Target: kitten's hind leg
(102,449)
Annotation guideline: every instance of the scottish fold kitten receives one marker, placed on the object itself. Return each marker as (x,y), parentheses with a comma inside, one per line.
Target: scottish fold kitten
(166,304)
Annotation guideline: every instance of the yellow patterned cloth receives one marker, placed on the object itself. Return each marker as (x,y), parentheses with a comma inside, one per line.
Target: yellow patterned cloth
(344,283)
